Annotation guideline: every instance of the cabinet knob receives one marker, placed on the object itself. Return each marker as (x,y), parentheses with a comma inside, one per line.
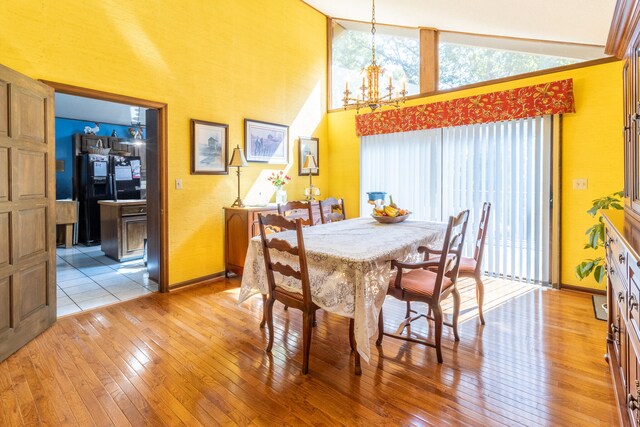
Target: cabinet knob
(611,270)
(621,296)
(610,240)
(632,402)
(614,328)
(633,303)
(621,259)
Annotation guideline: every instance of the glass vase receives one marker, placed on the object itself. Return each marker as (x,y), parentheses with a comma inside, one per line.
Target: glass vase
(281,196)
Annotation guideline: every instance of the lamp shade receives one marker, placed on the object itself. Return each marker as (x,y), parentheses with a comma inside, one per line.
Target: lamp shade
(237,158)
(310,162)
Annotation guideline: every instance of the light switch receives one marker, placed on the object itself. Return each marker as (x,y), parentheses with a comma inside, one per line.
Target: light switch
(580,184)
(179,184)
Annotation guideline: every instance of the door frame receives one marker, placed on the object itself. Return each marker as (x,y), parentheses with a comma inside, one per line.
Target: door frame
(162,158)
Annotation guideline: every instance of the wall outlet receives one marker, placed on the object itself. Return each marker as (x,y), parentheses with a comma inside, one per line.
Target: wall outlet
(580,184)
(178,184)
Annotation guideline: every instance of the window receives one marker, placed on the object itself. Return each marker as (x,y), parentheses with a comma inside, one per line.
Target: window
(397,51)
(439,172)
(465,59)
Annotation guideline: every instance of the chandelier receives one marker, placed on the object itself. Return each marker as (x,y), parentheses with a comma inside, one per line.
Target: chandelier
(369,93)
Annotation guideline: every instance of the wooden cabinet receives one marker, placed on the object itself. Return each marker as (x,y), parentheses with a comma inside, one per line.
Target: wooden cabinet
(123,228)
(622,233)
(240,226)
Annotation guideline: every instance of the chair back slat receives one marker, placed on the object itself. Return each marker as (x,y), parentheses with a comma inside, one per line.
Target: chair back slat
(332,210)
(451,250)
(280,245)
(482,234)
(297,210)
(286,270)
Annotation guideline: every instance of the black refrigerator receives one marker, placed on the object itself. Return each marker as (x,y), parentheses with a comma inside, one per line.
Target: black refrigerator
(125,177)
(93,185)
(103,178)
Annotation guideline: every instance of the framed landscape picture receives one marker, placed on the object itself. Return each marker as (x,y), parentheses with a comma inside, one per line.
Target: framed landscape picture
(209,148)
(308,146)
(266,142)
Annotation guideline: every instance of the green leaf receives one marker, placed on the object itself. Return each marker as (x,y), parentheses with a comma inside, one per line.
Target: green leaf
(617,206)
(593,211)
(599,273)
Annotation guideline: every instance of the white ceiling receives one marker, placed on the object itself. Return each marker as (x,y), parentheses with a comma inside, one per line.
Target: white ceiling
(575,21)
(94,110)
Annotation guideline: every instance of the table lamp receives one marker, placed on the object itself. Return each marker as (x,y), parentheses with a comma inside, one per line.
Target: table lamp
(239,161)
(310,164)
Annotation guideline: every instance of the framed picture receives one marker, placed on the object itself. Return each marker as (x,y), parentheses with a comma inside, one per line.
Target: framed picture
(209,148)
(308,146)
(266,142)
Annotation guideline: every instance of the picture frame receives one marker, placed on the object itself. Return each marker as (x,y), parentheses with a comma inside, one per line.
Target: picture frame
(209,148)
(266,142)
(308,145)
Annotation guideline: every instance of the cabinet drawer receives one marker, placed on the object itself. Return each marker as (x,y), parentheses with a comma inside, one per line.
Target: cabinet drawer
(134,210)
(616,253)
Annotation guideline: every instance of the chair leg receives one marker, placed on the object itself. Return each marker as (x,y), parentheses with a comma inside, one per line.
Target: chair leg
(286,307)
(408,310)
(314,320)
(358,369)
(269,316)
(480,297)
(264,311)
(306,340)
(437,317)
(380,328)
(456,311)
(352,335)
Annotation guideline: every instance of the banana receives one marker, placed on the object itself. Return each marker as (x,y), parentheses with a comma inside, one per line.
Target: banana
(392,212)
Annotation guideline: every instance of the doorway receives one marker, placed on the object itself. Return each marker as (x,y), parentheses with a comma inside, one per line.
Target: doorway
(123,187)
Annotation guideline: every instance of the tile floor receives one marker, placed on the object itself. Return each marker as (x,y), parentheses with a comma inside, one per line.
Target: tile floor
(87,279)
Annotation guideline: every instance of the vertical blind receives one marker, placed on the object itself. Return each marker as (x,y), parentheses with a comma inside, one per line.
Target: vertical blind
(439,172)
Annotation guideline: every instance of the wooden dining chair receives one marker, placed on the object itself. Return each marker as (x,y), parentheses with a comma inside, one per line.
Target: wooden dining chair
(297,209)
(472,267)
(430,281)
(302,300)
(332,210)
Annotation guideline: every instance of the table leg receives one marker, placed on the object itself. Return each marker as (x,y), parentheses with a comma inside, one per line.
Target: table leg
(68,236)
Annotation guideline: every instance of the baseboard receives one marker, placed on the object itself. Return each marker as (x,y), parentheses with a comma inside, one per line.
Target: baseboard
(198,281)
(581,289)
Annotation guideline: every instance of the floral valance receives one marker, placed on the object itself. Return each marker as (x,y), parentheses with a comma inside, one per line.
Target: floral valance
(529,101)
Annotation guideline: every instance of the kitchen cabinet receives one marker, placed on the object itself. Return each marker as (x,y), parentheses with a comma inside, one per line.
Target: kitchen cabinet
(123,228)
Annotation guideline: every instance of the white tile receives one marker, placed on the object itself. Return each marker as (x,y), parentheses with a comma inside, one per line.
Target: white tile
(152,286)
(97,302)
(93,294)
(74,282)
(122,286)
(130,294)
(95,270)
(82,288)
(64,276)
(62,299)
(65,310)
(106,260)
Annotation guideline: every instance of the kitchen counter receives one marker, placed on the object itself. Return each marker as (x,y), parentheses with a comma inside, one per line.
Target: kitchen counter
(123,202)
(123,228)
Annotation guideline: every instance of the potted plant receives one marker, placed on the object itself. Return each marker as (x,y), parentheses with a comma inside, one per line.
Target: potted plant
(596,237)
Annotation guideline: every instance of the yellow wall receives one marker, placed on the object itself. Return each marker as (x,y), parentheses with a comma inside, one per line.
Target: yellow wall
(219,61)
(592,149)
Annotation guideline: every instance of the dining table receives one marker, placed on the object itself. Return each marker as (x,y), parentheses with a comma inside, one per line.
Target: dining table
(349,265)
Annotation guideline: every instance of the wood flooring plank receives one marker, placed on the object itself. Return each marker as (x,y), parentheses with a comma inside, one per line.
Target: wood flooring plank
(195,357)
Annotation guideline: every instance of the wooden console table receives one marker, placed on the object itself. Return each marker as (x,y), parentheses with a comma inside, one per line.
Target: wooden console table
(240,226)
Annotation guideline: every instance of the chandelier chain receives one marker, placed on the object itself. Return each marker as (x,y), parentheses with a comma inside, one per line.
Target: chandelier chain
(373,31)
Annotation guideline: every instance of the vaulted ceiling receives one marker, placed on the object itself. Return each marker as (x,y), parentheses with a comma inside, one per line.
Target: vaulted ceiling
(575,21)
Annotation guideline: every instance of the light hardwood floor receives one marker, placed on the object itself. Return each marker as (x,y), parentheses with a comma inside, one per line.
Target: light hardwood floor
(196,358)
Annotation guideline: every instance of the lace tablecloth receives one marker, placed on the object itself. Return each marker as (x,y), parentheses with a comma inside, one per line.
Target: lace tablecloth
(349,266)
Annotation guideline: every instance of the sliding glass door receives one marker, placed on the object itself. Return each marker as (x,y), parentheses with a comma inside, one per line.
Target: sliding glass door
(436,173)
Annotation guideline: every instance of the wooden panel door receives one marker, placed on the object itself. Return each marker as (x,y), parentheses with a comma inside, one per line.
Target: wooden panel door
(27,210)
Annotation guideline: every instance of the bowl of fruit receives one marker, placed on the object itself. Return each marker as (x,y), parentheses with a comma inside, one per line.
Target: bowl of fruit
(390,214)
